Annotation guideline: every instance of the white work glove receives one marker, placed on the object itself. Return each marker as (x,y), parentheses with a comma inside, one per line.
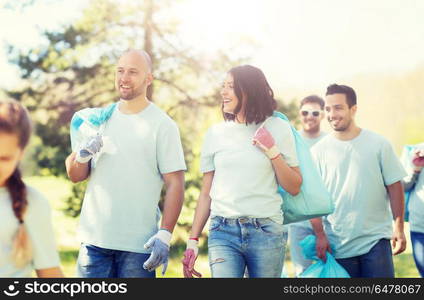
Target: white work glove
(418,160)
(190,256)
(264,140)
(159,243)
(89,149)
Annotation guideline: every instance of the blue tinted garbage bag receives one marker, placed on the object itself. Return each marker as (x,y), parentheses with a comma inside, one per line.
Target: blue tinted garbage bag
(320,269)
(313,271)
(313,200)
(406,161)
(87,122)
(332,269)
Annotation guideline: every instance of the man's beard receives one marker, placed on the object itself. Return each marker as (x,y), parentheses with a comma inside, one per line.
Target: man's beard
(344,128)
(134,94)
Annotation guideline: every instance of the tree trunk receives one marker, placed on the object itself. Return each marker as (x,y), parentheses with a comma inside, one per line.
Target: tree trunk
(148,44)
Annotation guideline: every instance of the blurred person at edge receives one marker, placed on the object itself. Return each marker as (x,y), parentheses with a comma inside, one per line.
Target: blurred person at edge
(414,184)
(363,175)
(119,217)
(26,236)
(311,114)
(243,160)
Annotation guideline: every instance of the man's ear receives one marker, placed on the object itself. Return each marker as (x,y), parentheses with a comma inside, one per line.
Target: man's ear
(149,79)
(354,109)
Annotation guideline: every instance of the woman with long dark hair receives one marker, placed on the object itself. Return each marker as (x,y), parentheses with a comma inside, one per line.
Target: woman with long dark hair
(243,160)
(26,235)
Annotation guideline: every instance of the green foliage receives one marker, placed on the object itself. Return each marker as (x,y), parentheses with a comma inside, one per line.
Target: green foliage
(74,69)
(74,200)
(290,110)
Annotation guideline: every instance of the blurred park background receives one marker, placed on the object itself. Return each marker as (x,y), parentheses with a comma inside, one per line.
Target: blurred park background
(58,56)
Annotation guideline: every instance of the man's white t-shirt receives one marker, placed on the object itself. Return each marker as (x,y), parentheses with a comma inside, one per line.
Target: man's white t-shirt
(120,208)
(244,182)
(356,173)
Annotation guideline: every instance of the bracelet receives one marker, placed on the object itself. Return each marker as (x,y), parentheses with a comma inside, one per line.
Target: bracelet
(196,239)
(276,156)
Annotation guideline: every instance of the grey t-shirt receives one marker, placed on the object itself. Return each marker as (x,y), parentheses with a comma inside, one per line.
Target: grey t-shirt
(356,173)
(38,223)
(244,182)
(120,208)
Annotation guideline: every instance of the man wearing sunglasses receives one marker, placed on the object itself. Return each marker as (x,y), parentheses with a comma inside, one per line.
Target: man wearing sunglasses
(311,114)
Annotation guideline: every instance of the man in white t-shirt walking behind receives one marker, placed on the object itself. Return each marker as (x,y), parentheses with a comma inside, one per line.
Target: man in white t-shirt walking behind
(363,175)
(311,113)
(139,151)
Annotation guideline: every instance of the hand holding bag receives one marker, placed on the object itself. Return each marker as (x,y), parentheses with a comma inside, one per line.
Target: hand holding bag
(313,200)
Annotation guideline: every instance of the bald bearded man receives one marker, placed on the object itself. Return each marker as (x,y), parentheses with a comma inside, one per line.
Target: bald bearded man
(119,217)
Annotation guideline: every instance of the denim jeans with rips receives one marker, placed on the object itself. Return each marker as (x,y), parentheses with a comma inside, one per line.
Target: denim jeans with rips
(417,240)
(257,244)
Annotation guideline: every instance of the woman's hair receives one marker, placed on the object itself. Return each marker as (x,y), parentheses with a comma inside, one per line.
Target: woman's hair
(252,88)
(14,120)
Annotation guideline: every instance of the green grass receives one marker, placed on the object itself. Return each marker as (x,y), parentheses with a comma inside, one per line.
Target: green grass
(56,190)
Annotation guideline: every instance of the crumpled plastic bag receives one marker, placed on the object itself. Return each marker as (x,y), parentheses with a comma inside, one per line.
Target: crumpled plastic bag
(320,269)
(87,122)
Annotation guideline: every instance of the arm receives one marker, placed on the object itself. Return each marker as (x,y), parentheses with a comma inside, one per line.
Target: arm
(78,163)
(174,198)
(54,272)
(160,242)
(201,215)
(322,244)
(76,171)
(288,177)
(397,200)
(202,212)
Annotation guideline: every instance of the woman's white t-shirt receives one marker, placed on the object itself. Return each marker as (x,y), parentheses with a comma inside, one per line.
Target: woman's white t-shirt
(244,182)
(39,226)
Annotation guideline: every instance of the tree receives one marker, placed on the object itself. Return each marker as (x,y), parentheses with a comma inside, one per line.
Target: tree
(74,69)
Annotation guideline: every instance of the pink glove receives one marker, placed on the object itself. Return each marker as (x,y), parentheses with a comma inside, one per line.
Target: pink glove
(418,159)
(264,140)
(190,256)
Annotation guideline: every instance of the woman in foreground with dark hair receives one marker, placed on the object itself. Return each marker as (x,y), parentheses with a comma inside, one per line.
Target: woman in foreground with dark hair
(26,237)
(243,160)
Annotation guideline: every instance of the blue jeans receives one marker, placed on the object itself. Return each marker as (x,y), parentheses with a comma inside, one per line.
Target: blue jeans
(417,240)
(96,262)
(257,244)
(378,262)
(296,235)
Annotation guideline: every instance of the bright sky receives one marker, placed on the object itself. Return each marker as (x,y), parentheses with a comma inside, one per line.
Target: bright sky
(316,42)
(300,42)
(22,28)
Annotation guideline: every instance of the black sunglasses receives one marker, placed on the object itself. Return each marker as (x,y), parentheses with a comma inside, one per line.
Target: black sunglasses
(315,113)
